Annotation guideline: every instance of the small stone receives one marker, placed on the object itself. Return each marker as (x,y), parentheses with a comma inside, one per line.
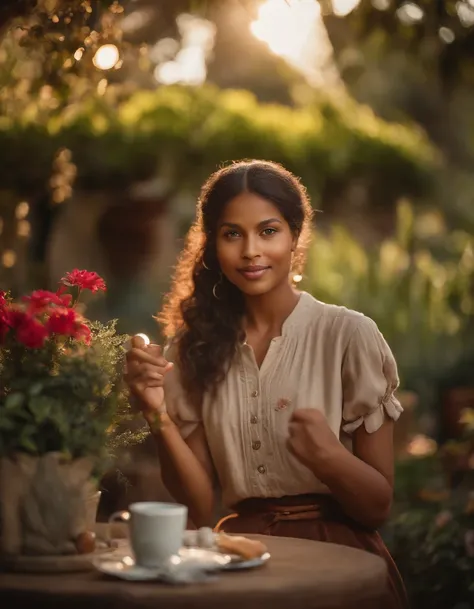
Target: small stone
(85,542)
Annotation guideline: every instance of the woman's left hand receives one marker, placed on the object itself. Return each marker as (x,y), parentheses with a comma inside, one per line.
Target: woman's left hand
(311,440)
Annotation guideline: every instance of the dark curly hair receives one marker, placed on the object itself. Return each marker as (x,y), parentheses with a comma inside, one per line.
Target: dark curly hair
(206,329)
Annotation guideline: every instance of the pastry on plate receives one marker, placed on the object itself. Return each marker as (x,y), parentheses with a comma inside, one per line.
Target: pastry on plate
(247,549)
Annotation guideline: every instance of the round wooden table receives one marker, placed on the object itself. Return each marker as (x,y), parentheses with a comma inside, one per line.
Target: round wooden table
(300,574)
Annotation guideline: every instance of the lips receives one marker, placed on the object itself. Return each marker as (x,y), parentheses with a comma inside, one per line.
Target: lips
(254,272)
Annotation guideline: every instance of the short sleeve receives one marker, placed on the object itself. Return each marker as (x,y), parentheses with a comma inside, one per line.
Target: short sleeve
(178,406)
(369,380)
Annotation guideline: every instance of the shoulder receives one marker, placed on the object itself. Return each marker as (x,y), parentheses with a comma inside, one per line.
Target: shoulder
(318,316)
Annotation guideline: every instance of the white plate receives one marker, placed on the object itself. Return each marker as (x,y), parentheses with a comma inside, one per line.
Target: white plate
(184,567)
(124,570)
(206,559)
(207,538)
(237,563)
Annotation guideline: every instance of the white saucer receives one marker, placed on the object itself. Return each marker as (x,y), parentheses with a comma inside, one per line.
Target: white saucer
(182,568)
(207,539)
(238,563)
(125,570)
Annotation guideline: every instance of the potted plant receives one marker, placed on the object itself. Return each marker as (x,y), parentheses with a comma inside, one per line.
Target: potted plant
(61,400)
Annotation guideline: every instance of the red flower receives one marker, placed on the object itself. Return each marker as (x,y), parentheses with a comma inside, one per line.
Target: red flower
(67,298)
(29,331)
(84,333)
(66,322)
(40,300)
(63,322)
(15,318)
(85,280)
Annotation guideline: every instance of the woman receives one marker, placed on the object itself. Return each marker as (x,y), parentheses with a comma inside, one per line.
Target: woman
(284,402)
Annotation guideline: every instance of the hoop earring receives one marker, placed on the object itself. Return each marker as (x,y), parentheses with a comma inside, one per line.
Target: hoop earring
(214,289)
(205,265)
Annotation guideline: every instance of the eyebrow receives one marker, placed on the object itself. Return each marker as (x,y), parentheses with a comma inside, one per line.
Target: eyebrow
(259,225)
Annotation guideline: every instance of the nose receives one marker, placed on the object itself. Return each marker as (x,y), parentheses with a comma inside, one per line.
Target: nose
(250,249)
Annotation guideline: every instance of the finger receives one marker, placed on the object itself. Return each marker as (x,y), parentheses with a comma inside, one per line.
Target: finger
(299,415)
(151,384)
(160,369)
(154,350)
(142,385)
(141,355)
(293,427)
(150,375)
(138,342)
(132,366)
(138,389)
(303,414)
(145,374)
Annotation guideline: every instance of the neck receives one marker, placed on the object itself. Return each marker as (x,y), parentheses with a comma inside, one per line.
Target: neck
(267,312)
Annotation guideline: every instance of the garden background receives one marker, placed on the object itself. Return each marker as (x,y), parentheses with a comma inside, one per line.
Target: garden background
(113,113)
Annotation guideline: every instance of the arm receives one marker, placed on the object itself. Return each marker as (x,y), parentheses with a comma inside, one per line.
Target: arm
(186,469)
(362,482)
(369,379)
(185,463)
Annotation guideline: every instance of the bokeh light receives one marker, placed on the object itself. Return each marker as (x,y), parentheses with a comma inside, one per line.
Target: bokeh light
(410,13)
(106,57)
(22,210)
(8,259)
(79,53)
(24,228)
(285,26)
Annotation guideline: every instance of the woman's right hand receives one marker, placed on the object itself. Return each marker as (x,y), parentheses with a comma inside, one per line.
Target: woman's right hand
(145,371)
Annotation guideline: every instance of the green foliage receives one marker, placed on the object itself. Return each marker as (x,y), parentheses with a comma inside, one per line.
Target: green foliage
(436,560)
(65,395)
(185,133)
(431,536)
(62,400)
(418,292)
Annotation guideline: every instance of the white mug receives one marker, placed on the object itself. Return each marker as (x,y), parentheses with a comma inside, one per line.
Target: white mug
(156,530)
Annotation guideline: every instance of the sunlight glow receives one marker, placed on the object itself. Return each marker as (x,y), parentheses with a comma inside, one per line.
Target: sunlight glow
(285,26)
(106,57)
(341,8)
(295,30)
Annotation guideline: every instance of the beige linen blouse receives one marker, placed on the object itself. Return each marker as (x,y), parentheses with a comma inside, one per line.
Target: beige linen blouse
(327,357)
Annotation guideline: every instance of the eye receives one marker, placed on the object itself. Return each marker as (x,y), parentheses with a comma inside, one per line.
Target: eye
(268,232)
(231,234)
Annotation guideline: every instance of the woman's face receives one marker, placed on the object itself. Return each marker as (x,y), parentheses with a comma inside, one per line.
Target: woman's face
(254,244)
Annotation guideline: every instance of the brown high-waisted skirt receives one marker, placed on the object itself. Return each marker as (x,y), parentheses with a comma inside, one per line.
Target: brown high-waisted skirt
(316,517)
